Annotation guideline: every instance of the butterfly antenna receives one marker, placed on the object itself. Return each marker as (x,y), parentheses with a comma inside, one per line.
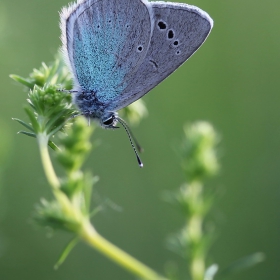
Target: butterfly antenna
(130,137)
(138,146)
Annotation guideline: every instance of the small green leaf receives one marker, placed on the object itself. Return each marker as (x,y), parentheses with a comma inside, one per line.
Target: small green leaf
(69,247)
(56,129)
(27,133)
(22,80)
(89,182)
(211,272)
(243,263)
(30,103)
(53,146)
(52,121)
(23,123)
(33,119)
(96,210)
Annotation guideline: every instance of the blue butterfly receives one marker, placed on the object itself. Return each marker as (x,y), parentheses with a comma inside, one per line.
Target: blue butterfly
(118,50)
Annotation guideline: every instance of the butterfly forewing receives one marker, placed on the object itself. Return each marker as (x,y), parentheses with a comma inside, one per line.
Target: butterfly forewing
(105,41)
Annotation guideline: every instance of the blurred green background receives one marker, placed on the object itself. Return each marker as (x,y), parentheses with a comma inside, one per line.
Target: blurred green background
(232,81)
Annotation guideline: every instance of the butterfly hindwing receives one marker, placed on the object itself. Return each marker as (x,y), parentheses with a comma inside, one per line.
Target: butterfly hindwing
(178,31)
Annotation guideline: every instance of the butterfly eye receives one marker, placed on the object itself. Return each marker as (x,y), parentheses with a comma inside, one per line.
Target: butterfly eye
(109,121)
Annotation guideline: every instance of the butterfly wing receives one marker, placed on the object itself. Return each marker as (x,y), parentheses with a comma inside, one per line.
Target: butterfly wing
(178,31)
(103,42)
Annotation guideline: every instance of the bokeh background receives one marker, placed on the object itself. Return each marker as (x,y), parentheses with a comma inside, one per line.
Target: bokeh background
(232,82)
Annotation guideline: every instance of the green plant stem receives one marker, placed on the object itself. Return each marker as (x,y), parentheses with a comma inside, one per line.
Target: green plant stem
(53,179)
(198,268)
(46,161)
(194,226)
(87,231)
(90,235)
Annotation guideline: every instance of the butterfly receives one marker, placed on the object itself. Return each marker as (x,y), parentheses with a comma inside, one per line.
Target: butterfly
(118,50)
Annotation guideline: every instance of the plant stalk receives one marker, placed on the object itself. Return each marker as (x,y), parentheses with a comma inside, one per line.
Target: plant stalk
(89,234)
(46,161)
(87,231)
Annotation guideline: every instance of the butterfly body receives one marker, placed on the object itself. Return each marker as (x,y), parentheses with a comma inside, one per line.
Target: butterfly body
(118,50)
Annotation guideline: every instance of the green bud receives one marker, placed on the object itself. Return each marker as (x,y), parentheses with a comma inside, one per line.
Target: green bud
(50,214)
(199,151)
(135,112)
(75,145)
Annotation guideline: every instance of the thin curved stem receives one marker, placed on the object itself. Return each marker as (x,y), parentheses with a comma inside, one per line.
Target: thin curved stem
(89,234)
(87,231)
(46,161)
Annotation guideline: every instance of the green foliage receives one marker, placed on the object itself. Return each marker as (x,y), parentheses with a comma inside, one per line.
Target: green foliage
(70,209)
(199,162)
(50,214)
(51,112)
(55,74)
(75,146)
(199,158)
(50,108)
